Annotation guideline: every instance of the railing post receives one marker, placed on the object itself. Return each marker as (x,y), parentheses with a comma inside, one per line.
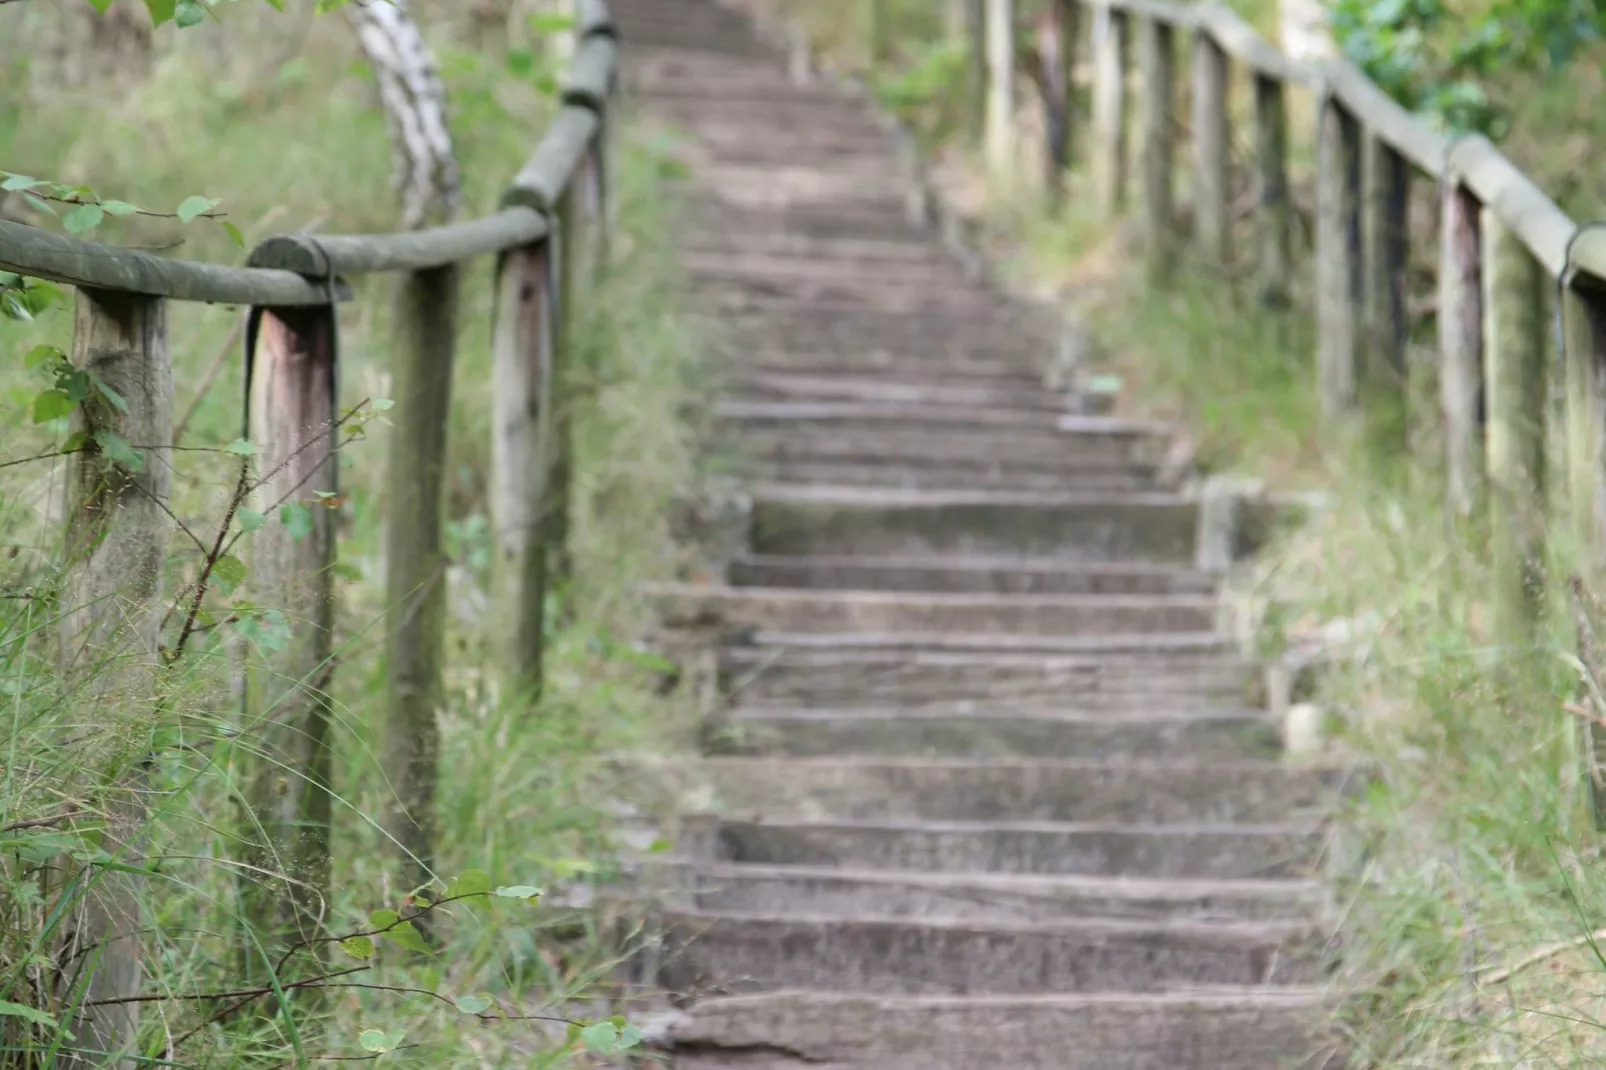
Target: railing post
(294,426)
(415,583)
(877,11)
(1584,334)
(1514,356)
(1276,214)
(976,71)
(1386,197)
(1000,86)
(1210,146)
(1156,60)
(1338,319)
(116,546)
(1460,329)
(1109,108)
(1057,49)
(521,449)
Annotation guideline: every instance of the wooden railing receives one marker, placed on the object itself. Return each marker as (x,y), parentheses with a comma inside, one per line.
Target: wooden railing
(1502,241)
(550,236)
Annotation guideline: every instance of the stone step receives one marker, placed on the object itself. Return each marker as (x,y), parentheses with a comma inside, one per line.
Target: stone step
(931,390)
(887,221)
(898,255)
(1035,616)
(1074,527)
(945,281)
(1001,575)
(1037,848)
(732,953)
(1129,791)
(947,475)
(973,368)
(791,674)
(922,320)
(835,892)
(895,733)
(1259,1029)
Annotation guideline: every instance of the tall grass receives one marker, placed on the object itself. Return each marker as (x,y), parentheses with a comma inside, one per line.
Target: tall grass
(525,795)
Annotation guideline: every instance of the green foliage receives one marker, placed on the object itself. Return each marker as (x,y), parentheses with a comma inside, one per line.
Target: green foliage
(1424,53)
(86,209)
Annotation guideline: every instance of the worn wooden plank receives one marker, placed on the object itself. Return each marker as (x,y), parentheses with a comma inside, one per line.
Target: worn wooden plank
(42,255)
(521,449)
(349,255)
(1240,41)
(1212,212)
(1385,119)
(1515,200)
(1460,331)
(1514,361)
(1157,67)
(1276,224)
(116,545)
(415,578)
(550,169)
(287,707)
(1109,43)
(592,73)
(1584,365)
(1338,311)
(1385,197)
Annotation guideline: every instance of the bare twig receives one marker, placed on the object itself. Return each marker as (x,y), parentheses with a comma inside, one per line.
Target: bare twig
(40,822)
(1538,955)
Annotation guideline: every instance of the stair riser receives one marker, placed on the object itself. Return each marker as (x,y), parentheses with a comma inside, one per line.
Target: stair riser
(825,613)
(909,443)
(990,737)
(1129,794)
(893,255)
(912,476)
(845,897)
(888,222)
(740,955)
(934,391)
(958,366)
(1229,854)
(839,574)
(1114,1035)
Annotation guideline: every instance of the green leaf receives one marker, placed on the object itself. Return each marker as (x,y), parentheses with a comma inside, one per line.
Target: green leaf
(161,10)
(191,207)
(116,447)
(18,183)
(379,1041)
(228,572)
(116,400)
(518,891)
(473,1004)
(31,1014)
(41,353)
(234,234)
(241,448)
(51,405)
(629,1037)
(407,935)
(347,572)
(600,1038)
(469,882)
(84,218)
(550,23)
(118,208)
(39,205)
(248,519)
(188,13)
(383,918)
(358,947)
(382,404)
(297,519)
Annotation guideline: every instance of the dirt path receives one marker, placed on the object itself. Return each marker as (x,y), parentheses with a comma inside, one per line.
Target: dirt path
(989,792)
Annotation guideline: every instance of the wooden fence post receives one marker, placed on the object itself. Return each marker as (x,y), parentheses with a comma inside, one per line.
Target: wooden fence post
(877,11)
(294,426)
(116,546)
(1156,61)
(415,557)
(1213,219)
(1276,214)
(1109,108)
(1338,320)
(570,237)
(976,71)
(1514,356)
(1584,323)
(521,449)
(1386,187)
(1000,145)
(1056,46)
(1460,329)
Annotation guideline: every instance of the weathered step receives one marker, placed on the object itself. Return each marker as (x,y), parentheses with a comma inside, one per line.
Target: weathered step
(865,431)
(890,254)
(885,222)
(835,892)
(936,789)
(962,368)
(930,390)
(788,673)
(733,953)
(932,273)
(965,574)
(1082,527)
(1040,848)
(1275,1029)
(985,734)
(980,475)
(807,610)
